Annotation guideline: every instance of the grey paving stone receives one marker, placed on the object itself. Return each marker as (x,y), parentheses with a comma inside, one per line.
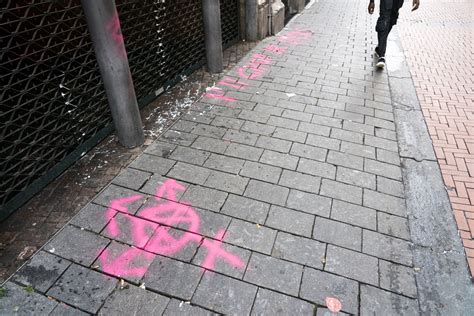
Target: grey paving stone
(227,182)
(388,156)
(301,250)
(66,310)
(267,192)
(273,273)
(229,296)
(250,236)
(41,271)
(272,110)
(132,178)
(326,312)
(191,119)
(337,233)
(383,169)
(209,131)
(291,105)
(77,245)
(389,186)
(177,137)
(349,136)
(156,182)
(283,122)
(246,209)
(309,152)
(380,123)
(190,173)
(123,229)
(385,203)
(272,303)
(360,109)
(280,160)
(327,121)
(153,164)
(121,261)
(358,150)
(319,110)
(244,152)
(356,177)
(114,193)
(300,181)
(385,133)
(291,221)
(91,217)
(270,100)
(309,203)
(296,115)
(177,307)
(290,135)
(187,124)
(160,244)
(386,247)
(316,168)
(18,301)
(314,129)
(345,160)
(354,214)
(258,128)
(210,144)
(211,223)
(363,268)
(228,122)
(379,105)
(134,301)
(239,95)
(393,225)
(331,104)
(275,144)
(341,191)
(89,294)
(228,259)
(189,155)
(353,121)
(260,171)
(241,137)
(318,285)
(224,163)
(254,116)
(206,198)
(323,142)
(374,301)
(397,278)
(173,277)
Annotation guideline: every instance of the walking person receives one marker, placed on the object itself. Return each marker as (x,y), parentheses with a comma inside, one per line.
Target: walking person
(387,19)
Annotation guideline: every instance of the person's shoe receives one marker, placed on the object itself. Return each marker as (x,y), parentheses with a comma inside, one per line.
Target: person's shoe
(381,63)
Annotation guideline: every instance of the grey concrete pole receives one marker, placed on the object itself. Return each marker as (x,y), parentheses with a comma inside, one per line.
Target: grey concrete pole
(213,35)
(104,26)
(251,13)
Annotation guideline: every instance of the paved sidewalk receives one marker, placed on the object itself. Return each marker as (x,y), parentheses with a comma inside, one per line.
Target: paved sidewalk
(280,192)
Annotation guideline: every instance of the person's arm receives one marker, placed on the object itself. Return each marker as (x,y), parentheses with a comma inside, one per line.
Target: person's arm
(416,4)
(372,6)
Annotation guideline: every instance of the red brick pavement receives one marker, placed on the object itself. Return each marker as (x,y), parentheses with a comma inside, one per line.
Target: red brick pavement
(438,42)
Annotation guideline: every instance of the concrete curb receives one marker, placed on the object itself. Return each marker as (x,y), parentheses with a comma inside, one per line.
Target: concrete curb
(444,285)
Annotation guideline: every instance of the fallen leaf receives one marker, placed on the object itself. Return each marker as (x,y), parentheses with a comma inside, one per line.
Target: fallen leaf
(333,304)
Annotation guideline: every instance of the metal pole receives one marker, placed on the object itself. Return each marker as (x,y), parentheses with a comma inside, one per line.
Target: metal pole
(213,35)
(104,26)
(251,13)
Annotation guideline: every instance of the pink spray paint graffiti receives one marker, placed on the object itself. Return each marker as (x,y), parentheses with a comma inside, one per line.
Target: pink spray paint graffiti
(113,27)
(258,65)
(160,217)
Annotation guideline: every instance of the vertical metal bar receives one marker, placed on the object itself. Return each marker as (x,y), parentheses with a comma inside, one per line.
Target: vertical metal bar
(213,35)
(104,26)
(251,14)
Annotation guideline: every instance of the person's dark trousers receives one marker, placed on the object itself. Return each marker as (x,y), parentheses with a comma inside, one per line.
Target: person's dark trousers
(387,19)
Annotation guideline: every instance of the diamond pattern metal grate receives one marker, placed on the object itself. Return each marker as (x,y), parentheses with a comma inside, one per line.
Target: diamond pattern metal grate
(52,98)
